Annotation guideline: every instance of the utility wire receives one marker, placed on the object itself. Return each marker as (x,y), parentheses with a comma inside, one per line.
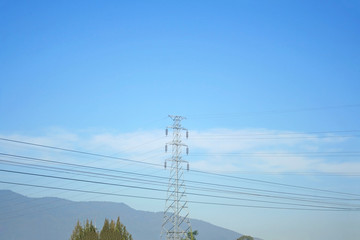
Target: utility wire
(273,138)
(79,152)
(314,173)
(344,153)
(166,178)
(162,190)
(197,202)
(198,171)
(143,181)
(294,110)
(277,134)
(274,183)
(81,172)
(78,165)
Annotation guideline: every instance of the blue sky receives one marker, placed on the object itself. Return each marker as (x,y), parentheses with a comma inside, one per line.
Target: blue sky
(103,76)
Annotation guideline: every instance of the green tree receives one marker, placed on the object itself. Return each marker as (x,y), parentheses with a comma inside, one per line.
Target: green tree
(118,230)
(192,235)
(105,231)
(90,232)
(78,232)
(244,237)
(126,235)
(109,231)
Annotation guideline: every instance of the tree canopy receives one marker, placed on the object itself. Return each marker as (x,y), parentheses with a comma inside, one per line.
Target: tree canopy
(192,235)
(244,237)
(110,231)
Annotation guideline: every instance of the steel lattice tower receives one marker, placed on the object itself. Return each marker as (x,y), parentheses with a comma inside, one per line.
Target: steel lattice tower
(176,223)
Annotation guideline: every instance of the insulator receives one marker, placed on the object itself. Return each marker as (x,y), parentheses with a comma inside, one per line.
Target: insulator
(166,132)
(165,164)
(188,167)
(187,134)
(165,148)
(187,151)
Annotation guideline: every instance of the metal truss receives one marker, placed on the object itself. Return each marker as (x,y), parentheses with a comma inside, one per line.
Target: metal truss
(176,223)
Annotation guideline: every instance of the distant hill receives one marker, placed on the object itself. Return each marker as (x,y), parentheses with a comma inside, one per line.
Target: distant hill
(54,218)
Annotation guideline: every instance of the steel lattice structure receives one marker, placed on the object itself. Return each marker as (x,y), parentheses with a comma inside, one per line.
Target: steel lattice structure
(176,223)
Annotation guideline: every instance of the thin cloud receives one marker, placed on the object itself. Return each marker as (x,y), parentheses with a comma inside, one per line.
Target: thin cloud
(218,150)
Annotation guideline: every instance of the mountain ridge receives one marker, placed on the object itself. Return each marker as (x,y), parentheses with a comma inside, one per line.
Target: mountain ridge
(55,219)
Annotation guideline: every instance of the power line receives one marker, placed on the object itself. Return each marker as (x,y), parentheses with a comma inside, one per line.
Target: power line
(223,175)
(293,110)
(92,174)
(165,178)
(162,190)
(277,134)
(162,199)
(274,138)
(282,154)
(81,180)
(71,164)
(161,183)
(81,172)
(314,173)
(198,171)
(79,152)
(275,183)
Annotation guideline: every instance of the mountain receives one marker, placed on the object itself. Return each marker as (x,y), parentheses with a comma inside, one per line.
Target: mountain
(54,218)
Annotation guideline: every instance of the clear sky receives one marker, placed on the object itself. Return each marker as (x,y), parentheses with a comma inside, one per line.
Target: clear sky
(270,90)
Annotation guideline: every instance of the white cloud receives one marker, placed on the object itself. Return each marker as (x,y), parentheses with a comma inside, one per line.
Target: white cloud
(220,150)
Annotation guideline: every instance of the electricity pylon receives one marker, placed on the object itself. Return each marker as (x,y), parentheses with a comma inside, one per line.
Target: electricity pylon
(176,223)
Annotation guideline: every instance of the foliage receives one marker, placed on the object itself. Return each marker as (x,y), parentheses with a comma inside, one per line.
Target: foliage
(78,232)
(110,231)
(192,235)
(244,237)
(90,231)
